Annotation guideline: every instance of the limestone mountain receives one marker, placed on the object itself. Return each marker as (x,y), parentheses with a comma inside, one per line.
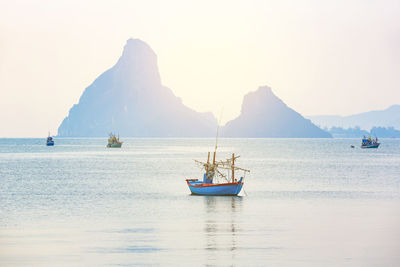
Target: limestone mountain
(129,99)
(265,115)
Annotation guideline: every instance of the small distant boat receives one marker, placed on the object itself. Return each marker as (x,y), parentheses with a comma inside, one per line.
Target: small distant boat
(370,142)
(113,142)
(49,141)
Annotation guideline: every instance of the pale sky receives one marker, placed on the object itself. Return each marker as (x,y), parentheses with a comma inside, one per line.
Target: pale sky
(319,57)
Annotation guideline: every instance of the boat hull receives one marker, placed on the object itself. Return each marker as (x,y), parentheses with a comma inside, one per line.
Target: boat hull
(50,144)
(227,189)
(370,146)
(114,145)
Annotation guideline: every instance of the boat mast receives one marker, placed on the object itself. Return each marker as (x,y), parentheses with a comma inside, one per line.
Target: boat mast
(213,159)
(216,138)
(233,167)
(216,143)
(208,163)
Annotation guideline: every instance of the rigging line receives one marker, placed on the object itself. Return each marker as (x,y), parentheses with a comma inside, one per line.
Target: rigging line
(222,175)
(245,192)
(216,138)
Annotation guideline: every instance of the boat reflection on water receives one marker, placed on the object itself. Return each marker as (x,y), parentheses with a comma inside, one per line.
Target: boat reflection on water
(221,226)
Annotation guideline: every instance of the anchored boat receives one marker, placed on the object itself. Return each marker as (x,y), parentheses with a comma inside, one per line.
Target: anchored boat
(113,142)
(215,182)
(370,143)
(211,184)
(49,141)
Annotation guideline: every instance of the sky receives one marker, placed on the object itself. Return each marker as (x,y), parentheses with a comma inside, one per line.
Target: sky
(319,57)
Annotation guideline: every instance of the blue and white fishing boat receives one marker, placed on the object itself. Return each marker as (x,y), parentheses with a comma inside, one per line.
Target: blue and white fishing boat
(210,186)
(49,141)
(216,183)
(370,143)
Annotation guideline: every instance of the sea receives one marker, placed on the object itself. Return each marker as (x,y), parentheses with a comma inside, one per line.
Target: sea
(305,202)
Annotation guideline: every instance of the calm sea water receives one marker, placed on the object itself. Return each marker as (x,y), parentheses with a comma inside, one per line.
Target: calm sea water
(309,202)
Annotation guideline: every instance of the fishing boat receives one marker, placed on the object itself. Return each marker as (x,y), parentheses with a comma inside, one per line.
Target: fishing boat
(215,182)
(211,185)
(49,141)
(370,142)
(113,142)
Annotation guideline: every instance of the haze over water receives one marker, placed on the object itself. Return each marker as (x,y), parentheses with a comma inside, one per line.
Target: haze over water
(309,202)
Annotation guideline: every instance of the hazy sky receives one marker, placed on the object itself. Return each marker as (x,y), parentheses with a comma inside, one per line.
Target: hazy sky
(319,57)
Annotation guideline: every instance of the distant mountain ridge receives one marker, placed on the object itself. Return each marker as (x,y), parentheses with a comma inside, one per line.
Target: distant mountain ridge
(130,100)
(389,117)
(356,132)
(265,115)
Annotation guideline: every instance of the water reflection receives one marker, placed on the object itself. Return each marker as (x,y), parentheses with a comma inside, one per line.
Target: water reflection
(221,226)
